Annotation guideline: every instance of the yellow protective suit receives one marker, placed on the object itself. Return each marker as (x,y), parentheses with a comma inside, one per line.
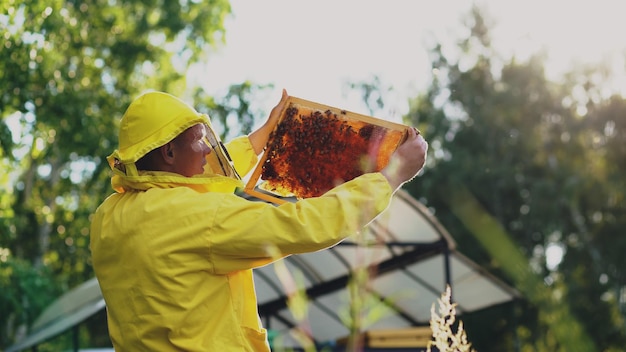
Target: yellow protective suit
(174,255)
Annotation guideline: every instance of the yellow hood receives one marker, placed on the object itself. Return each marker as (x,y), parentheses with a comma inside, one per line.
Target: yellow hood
(154,119)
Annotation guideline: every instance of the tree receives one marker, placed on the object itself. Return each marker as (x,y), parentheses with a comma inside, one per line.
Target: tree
(68,70)
(520,165)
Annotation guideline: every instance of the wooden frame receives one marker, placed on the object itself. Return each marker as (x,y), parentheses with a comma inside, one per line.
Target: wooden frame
(250,187)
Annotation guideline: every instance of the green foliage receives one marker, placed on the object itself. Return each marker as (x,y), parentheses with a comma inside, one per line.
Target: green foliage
(232,114)
(544,161)
(24,292)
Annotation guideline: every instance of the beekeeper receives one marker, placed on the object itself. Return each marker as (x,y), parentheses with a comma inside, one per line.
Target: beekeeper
(173,249)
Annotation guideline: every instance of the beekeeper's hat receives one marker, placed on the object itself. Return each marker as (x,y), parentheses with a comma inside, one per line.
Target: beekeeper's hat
(154,119)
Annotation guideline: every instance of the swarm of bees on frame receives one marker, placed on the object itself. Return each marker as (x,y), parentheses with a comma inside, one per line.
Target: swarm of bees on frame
(310,151)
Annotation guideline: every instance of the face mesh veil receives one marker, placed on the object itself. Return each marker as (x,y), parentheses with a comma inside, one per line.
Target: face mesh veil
(218,161)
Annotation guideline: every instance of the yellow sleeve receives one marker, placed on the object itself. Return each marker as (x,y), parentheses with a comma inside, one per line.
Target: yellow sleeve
(245,233)
(242,154)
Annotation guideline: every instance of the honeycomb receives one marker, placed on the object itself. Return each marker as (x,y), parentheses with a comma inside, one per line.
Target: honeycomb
(314,147)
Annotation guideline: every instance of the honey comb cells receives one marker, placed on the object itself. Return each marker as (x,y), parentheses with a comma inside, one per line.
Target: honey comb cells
(311,150)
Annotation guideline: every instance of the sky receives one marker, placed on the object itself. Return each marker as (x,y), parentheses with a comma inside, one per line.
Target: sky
(313,48)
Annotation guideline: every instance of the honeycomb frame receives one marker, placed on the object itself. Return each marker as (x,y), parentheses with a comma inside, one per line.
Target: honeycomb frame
(314,147)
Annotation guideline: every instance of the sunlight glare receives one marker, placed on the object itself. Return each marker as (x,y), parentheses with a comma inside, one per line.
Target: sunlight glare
(312,49)
(570,33)
(554,255)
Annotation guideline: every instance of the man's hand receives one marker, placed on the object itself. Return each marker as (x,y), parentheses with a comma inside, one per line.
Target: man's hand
(259,138)
(407,161)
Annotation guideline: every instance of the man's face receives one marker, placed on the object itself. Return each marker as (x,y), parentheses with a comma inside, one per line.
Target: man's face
(191,149)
